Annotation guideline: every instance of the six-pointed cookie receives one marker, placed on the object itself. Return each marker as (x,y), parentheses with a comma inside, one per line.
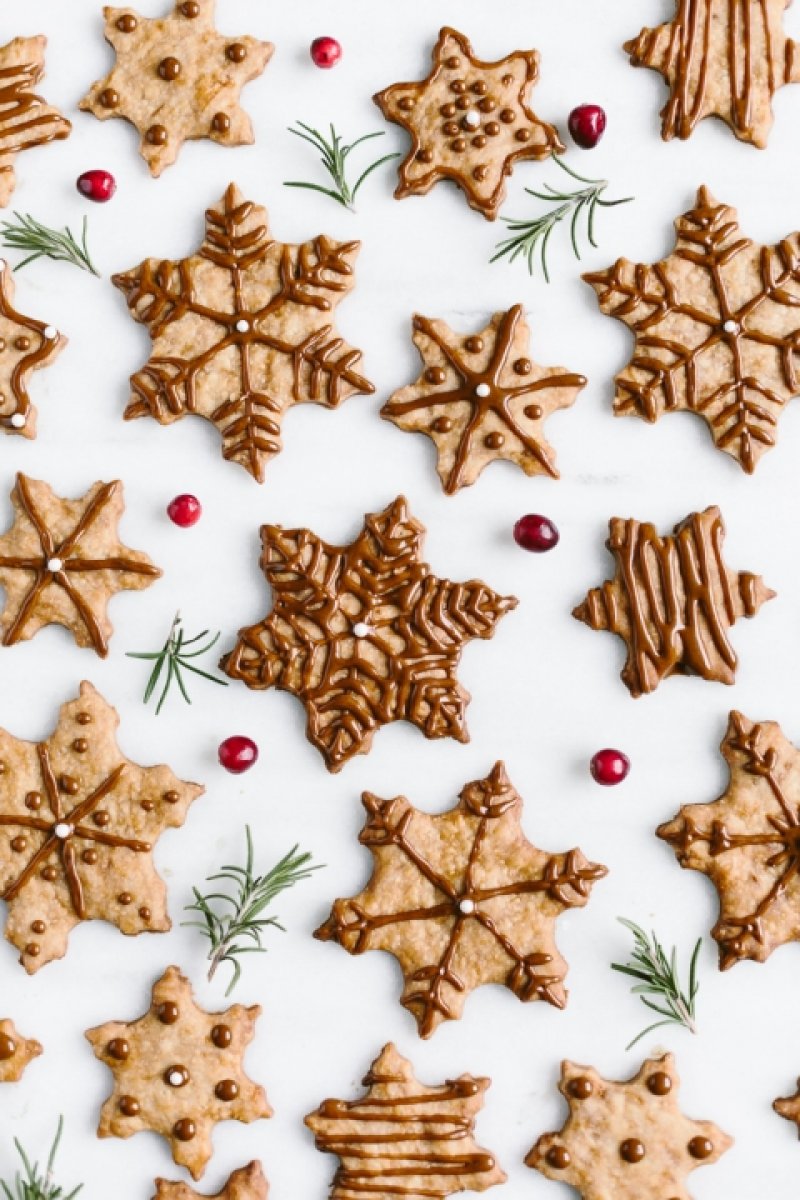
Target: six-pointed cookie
(178,1071)
(16,1052)
(177,78)
(469,121)
(26,345)
(78,826)
(242,331)
(248,1183)
(481,398)
(62,561)
(26,119)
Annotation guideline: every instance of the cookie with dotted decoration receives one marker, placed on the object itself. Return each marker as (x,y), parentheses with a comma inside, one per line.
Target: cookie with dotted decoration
(248,1183)
(16,1052)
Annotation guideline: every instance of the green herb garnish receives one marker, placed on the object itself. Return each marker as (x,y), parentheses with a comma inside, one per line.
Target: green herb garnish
(32,1185)
(334,154)
(236,920)
(528,235)
(658,976)
(39,241)
(175,656)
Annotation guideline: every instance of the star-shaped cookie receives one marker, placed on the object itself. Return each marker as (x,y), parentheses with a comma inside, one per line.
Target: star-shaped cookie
(717,329)
(462,899)
(403,1138)
(62,561)
(720,58)
(748,842)
(673,600)
(178,1071)
(26,345)
(364,634)
(628,1140)
(242,330)
(481,398)
(78,825)
(469,121)
(789,1107)
(16,1052)
(248,1183)
(177,78)
(26,119)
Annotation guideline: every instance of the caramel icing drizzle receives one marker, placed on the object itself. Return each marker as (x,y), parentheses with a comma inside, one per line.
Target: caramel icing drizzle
(404,1139)
(26,120)
(19,356)
(723,58)
(673,600)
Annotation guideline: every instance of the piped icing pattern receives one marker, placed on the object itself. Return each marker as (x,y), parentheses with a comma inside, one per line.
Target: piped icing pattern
(26,345)
(26,119)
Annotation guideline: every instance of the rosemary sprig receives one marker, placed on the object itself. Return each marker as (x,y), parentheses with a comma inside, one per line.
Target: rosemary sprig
(32,1185)
(530,235)
(229,930)
(175,657)
(334,154)
(42,242)
(658,976)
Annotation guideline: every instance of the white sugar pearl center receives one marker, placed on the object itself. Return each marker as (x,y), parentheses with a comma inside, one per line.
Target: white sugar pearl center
(242,325)
(62,830)
(50,332)
(731,327)
(18,421)
(362,630)
(472,119)
(467,907)
(54,564)
(482,390)
(175,1078)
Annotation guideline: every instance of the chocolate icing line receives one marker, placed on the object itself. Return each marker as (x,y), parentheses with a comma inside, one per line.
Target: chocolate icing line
(19,130)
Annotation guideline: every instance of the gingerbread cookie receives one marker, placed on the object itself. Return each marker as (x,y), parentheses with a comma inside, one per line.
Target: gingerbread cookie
(789,1108)
(15,1052)
(673,600)
(481,398)
(627,1140)
(748,842)
(462,899)
(178,1071)
(364,634)
(716,324)
(26,345)
(62,561)
(720,58)
(26,120)
(246,1184)
(176,78)
(242,331)
(469,121)
(403,1138)
(78,826)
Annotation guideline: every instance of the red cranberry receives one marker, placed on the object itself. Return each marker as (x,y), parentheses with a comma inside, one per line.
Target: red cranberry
(609,767)
(97,185)
(185,510)
(325,52)
(535,532)
(237,754)
(587,124)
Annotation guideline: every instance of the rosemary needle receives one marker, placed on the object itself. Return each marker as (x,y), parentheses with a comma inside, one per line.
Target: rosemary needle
(39,241)
(34,1186)
(334,154)
(530,235)
(657,976)
(233,922)
(175,656)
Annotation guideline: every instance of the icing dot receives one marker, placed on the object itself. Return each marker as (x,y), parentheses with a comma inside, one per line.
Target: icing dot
(156,135)
(480,87)
(127,23)
(483,390)
(18,420)
(487,104)
(463,102)
(425,156)
(700,1147)
(405,103)
(507,116)
(84,718)
(660,1084)
(523,366)
(361,629)
(145,914)
(480,173)
(467,907)
(532,411)
(435,375)
(237,53)
(168,1012)
(221,1036)
(62,830)
(190,9)
(184,1130)
(523,135)
(8,1047)
(442,425)
(448,110)
(479,141)
(494,441)
(176,1076)
(227,1090)
(458,86)
(129,1106)
(453,62)
(169,69)
(55,564)
(472,119)
(90,857)
(171,797)
(631,1150)
(109,98)
(221,123)
(118,1048)
(450,128)
(22,343)
(492,128)
(458,145)
(474,345)
(101,818)
(18,844)
(33,949)
(558,1157)
(580,1088)
(242,326)
(38,927)
(50,332)
(732,327)
(80,745)
(124,898)
(50,874)
(147,805)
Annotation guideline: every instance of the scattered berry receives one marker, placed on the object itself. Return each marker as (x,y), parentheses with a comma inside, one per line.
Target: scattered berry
(535,532)
(325,52)
(587,124)
(237,754)
(185,510)
(609,767)
(97,185)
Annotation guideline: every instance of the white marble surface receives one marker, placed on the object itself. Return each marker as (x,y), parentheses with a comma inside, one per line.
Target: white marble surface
(546,691)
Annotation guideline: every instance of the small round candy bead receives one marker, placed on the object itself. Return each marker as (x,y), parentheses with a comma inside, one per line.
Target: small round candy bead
(325,52)
(609,767)
(536,533)
(237,754)
(185,510)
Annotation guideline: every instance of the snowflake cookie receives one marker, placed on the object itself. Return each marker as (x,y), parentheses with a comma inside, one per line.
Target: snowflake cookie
(242,330)
(178,1071)
(403,1138)
(462,899)
(26,345)
(177,78)
(481,398)
(16,1052)
(26,120)
(364,634)
(628,1140)
(248,1183)
(717,329)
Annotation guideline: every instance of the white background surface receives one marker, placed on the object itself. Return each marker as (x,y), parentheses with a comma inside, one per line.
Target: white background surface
(546,690)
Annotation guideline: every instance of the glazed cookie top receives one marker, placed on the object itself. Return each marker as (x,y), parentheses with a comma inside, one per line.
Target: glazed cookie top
(26,119)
